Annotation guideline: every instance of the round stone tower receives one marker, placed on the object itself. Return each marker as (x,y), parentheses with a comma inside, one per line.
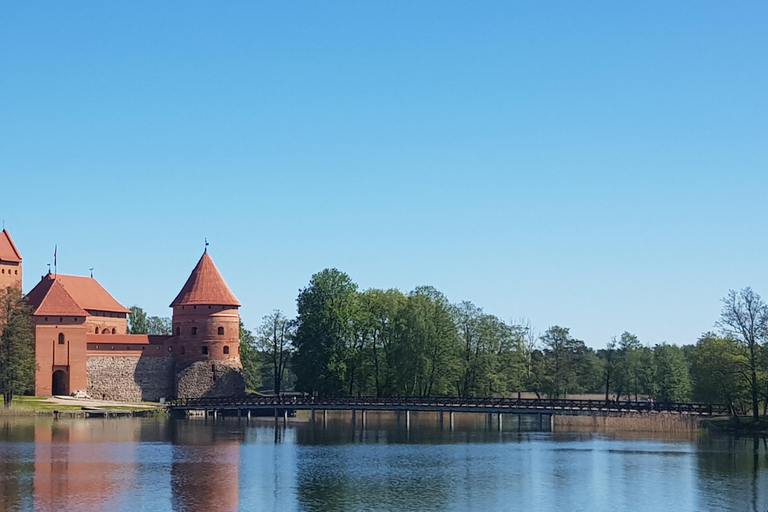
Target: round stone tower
(206,327)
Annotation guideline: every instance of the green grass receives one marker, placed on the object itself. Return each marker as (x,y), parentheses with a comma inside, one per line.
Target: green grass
(37,404)
(40,404)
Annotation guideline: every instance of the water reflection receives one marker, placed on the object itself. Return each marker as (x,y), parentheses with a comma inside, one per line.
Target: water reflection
(335,465)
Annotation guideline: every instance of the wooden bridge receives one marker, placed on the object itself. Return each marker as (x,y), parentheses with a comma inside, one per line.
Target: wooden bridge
(284,406)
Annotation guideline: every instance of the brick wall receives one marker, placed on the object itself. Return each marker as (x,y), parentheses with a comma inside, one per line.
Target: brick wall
(131,378)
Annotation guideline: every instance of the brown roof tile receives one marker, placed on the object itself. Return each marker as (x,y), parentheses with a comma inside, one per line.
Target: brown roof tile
(90,295)
(205,286)
(85,293)
(49,298)
(8,250)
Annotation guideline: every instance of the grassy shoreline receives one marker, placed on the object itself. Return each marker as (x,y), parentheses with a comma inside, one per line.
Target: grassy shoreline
(41,405)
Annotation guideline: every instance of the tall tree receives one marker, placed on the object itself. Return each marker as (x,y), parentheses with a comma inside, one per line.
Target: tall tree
(249,358)
(159,325)
(275,335)
(137,321)
(17,339)
(673,381)
(326,308)
(720,371)
(745,318)
(568,362)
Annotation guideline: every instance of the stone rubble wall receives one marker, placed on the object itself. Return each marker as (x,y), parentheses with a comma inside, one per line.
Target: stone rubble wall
(210,379)
(131,379)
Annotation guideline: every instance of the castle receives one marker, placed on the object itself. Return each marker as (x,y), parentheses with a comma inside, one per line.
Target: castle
(82,341)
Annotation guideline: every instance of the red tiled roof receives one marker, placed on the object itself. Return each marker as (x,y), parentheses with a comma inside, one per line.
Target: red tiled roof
(126,339)
(205,286)
(8,250)
(90,295)
(69,294)
(49,298)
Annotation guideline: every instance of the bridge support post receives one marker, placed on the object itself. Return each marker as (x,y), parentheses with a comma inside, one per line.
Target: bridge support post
(489,422)
(451,419)
(239,412)
(551,422)
(407,421)
(354,418)
(362,418)
(248,415)
(285,417)
(519,422)
(325,419)
(312,411)
(539,421)
(441,420)
(501,422)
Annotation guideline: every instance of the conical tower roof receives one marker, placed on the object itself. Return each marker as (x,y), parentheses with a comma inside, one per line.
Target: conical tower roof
(205,286)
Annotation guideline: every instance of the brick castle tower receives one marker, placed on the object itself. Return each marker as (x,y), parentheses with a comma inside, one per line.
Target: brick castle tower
(206,327)
(10,262)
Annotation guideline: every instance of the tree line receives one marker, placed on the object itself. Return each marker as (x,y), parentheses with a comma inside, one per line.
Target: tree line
(350,342)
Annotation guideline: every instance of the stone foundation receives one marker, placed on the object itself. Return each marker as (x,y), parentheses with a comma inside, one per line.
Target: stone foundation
(210,379)
(131,379)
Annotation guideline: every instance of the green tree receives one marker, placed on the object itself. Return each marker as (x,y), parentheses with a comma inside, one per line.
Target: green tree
(157,325)
(326,308)
(137,321)
(568,362)
(275,335)
(720,372)
(17,340)
(376,327)
(745,318)
(427,347)
(249,358)
(673,381)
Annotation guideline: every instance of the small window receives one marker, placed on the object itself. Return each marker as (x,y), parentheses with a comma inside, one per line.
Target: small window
(205,351)
(61,319)
(114,331)
(16,272)
(221,331)
(226,350)
(96,330)
(183,349)
(178,331)
(3,271)
(194,331)
(97,347)
(61,338)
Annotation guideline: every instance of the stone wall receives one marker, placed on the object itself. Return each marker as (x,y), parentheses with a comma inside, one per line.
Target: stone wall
(131,378)
(210,379)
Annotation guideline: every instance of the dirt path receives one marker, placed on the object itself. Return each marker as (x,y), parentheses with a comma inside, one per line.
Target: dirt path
(91,402)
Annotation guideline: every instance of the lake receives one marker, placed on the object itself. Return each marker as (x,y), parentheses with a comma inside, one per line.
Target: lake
(161,464)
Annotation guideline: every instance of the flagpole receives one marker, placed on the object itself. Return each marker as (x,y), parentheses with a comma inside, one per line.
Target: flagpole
(55,262)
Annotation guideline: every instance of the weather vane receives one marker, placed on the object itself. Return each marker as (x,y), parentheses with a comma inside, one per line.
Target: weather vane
(91,269)
(206,245)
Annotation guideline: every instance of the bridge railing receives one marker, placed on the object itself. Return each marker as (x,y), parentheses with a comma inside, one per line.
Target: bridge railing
(286,401)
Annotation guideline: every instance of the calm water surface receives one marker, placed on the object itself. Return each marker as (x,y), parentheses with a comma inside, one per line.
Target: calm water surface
(163,464)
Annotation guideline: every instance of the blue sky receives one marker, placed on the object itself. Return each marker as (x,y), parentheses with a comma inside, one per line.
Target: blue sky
(597,165)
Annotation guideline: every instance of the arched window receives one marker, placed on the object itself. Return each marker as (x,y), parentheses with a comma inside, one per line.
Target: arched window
(114,331)
(205,351)
(61,338)
(194,331)
(96,330)
(221,331)
(226,350)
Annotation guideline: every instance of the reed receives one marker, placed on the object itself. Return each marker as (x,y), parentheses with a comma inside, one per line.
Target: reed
(629,422)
